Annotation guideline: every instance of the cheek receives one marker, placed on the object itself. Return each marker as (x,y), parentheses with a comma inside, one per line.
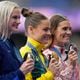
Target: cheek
(59,36)
(37,35)
(10,23)
(40,36)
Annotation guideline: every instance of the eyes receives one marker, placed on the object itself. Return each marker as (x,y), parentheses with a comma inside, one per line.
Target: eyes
(46,29)
(16,17)
(66,28)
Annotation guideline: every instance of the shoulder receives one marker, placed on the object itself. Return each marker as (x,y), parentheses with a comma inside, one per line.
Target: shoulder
(24,50)
(49,52)
(2,44)
(1,48)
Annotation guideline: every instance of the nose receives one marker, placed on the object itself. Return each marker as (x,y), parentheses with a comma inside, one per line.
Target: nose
(49,33)
(18,21)
(69,32)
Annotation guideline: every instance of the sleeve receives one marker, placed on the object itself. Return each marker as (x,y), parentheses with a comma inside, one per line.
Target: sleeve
(15,75)
(24,50)
(12,76)
(47,76)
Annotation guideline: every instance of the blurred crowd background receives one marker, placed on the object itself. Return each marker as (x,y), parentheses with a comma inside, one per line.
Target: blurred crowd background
(69,8)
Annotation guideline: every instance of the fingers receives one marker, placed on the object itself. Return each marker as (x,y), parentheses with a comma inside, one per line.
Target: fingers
(27,66)
(73,56)
(29,63)
(54,66)
(71,51)
(29,60)
(53,60)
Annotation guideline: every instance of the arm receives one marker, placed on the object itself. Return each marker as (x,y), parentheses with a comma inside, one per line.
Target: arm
(47,76)
(10,75)
(13,75)
(50,74)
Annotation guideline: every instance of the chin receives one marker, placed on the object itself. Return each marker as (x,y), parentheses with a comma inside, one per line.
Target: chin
(44,42)
(15,29)
(66,42)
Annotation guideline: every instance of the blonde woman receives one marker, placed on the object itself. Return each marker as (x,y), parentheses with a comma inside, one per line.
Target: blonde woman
(10,59)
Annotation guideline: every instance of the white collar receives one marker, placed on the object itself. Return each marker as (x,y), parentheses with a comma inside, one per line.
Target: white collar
(62,55)
(58,47)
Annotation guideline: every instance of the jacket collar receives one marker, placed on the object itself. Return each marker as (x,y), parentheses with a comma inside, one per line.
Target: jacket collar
(35,43)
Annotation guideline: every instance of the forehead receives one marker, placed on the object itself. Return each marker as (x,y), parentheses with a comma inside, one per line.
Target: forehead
(44,23)
(16,11)
(64,23)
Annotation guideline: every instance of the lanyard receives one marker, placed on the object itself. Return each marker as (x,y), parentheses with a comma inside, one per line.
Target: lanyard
(39,66)
(35,52)
(57,51)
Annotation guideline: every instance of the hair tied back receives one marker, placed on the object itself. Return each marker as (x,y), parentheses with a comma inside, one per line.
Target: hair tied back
(26,12)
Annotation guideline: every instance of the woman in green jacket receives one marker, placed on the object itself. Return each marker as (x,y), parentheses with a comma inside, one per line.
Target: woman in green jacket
(37,30)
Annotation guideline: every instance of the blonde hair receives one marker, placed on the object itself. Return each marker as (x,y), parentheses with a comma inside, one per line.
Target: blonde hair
(6,8)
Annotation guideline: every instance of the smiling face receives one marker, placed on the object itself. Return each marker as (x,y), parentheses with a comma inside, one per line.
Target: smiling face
(62,33)
(41,32)
(14,20)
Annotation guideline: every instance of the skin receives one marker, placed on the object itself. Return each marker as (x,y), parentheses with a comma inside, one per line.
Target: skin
(62,36)
(63,33)
(13,24)
(14,20)
(41,32)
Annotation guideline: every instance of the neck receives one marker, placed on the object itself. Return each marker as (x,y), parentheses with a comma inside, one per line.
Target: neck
(9,34)
(57,44)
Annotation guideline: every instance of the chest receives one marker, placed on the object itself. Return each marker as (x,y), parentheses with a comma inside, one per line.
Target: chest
(8,59)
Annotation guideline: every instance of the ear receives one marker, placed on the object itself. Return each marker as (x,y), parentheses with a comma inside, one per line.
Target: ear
(30,29)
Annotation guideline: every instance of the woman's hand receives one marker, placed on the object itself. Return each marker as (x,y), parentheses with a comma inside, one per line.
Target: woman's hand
(27,66)
(54,66)
(72,56)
